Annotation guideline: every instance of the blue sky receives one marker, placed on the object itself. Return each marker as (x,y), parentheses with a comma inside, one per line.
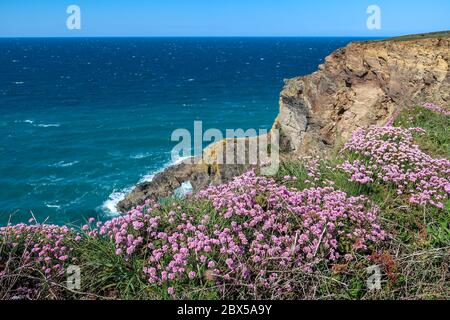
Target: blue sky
(221,17)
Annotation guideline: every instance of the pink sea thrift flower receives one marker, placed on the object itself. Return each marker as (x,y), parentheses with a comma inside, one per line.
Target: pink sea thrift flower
(436,108)
(388,155)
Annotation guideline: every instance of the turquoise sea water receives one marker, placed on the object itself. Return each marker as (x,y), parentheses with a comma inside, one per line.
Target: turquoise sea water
(83,120)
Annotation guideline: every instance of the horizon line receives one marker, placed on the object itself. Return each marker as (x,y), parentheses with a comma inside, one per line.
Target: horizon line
(384,36)
(202,36)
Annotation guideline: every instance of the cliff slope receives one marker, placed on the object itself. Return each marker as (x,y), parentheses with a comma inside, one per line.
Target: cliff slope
(360,85)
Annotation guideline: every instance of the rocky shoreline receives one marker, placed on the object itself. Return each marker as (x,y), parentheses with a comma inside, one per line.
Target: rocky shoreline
(360,85)
(193,170)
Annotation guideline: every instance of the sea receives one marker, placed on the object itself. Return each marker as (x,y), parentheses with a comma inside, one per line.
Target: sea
(83,120)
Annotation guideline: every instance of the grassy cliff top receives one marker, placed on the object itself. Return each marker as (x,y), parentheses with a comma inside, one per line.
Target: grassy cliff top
(432,35)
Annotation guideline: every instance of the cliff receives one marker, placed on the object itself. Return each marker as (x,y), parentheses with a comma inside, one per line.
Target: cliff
(360,85)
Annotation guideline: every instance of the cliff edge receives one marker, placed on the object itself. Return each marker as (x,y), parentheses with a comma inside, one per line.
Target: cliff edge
(360,85)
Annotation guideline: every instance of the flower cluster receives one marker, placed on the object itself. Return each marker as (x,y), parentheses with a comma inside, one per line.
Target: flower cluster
(274,228)
(391,120)
(174,246)
(253,230)
(39,248)
(388,155)
(128,231)
(315,168)
(312,167)
(436,108)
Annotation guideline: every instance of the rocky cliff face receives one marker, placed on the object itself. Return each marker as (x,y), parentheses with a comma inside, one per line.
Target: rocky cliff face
(361,85)
(357,86)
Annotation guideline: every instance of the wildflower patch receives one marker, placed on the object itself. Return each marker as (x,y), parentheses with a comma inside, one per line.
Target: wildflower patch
(388,155)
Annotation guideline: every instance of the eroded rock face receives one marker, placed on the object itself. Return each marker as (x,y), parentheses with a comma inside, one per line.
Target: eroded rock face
(357,86)
(164,183)
(196,170)
(361,85)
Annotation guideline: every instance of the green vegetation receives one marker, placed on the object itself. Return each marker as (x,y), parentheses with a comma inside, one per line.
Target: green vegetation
(432,35)
(437,140)
(414,259)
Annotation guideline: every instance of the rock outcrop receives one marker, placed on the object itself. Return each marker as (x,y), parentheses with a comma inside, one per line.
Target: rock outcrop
(199,171)
(360,85)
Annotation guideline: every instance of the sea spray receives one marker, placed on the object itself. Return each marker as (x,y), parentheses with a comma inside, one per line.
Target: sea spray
(109,207)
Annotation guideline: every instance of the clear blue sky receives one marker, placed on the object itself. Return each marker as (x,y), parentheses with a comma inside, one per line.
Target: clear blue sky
(221,17)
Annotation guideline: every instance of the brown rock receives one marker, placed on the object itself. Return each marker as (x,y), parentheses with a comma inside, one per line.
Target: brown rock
(357,86)
(361,85)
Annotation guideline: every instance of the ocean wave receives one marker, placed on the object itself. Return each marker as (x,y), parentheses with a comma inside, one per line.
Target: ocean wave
(42,125)
(109,207)
(24,121)
(149,177)
(183,190)
(63,164)
(53,206)
(140,156)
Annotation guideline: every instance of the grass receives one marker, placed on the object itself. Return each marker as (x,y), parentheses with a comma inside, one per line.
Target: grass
(414,262)
(112,277)
(419,252)
(437,140)
(431,35)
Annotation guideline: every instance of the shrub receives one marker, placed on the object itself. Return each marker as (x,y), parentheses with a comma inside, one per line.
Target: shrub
(254,231)
(388,155)
(33,256)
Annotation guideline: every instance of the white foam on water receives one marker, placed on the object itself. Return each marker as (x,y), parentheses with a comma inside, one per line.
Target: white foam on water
(63,164)
(140,156)
(24,121)
(149,177)
(109,207)
(43,125)
(54,206)
(183,190)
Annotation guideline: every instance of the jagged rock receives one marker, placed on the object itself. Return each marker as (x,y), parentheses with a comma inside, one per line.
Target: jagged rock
(164,183)
(360,85)
(198,171)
